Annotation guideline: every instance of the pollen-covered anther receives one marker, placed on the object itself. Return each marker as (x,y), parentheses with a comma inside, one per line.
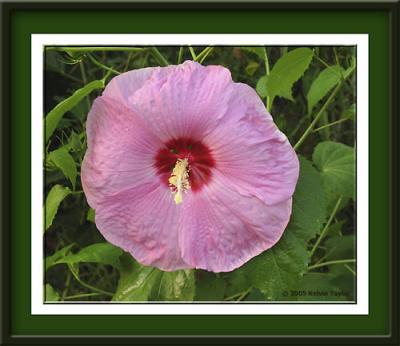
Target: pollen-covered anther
(179,179)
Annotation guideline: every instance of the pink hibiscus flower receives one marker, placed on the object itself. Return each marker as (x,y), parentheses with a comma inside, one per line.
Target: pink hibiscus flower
(186,169)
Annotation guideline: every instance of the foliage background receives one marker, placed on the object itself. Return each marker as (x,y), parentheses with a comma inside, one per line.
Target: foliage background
(310,92)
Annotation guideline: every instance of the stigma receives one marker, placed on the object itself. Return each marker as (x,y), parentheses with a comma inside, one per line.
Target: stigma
(179,179)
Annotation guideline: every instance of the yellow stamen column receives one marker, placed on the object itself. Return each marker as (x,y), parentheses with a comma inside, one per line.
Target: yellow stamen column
(179,179)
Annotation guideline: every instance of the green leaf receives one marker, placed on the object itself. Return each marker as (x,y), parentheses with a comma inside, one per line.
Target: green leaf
(103,253)
(255,295)
(53,62)
(51,294)
(326,81)
(259,51)
(79,111)
(53,200)
(54,116)
(51,260)
(340,247)
(344,279)
(286,71)
(74,143)
(336,163)
(62,159)
(280,268)
(237,281)
(252,67)
(141,283)
(91,215)
(209,287)
(176,286)
(350,112)
(309,210)
(335,229)
(261,87)
(137,282)
(351,69)
(319,287)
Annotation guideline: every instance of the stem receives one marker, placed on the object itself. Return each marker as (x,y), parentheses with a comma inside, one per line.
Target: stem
(66,287)
(191,50)
(95,49)
(106,76)
(326,65)
(338,63)
(233,296)
(323,108)
(203,54)
(244,294)
(180,55)
(299,125)
(238,294)
(206,55)
(323,62)
(70,77)
(159,57)
(76,192)
(330,124)
(82,295)
(321,111)
(266,61)
(74,67)
(336,56)
(128,61)
(350,270)
(84,79)
(83,73)
(92,288)
(326,226)
(99,64)
(269,100)
(345,261)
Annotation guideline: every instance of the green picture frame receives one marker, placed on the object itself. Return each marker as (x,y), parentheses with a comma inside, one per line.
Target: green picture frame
(378,19)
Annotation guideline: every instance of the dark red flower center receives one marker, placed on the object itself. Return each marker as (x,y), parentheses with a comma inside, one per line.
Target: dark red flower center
(198,155)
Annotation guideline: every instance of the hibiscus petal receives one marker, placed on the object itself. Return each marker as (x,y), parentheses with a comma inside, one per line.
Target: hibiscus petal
(144,222)
(121,87)
(251,151)
(184,100)
(120,152)
(221,229)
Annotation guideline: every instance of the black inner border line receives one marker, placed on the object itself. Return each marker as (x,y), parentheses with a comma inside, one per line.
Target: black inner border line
(346,302)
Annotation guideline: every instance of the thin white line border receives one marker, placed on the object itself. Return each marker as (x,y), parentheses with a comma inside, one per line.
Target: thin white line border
(38,41)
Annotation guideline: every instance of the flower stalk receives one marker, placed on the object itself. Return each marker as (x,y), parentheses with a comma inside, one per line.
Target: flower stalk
(321,111)
(324,264)
(267,70)
(322,235)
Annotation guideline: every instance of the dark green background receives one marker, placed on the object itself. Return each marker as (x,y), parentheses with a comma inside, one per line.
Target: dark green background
(376,23)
